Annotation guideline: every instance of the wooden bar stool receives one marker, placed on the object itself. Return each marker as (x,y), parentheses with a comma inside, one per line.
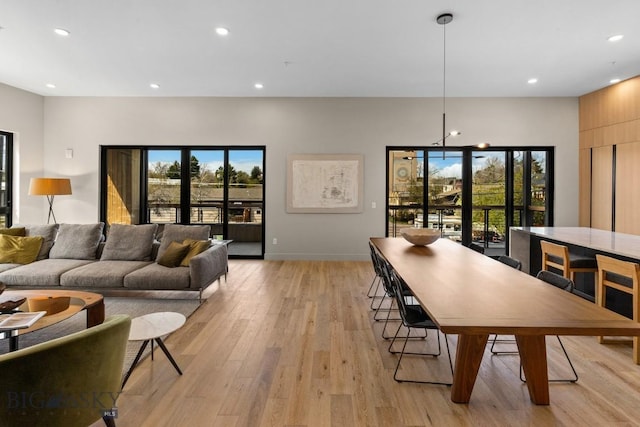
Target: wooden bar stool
(625,277)
(558,257)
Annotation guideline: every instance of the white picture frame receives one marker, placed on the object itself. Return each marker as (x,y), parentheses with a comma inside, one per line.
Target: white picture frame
(325,183)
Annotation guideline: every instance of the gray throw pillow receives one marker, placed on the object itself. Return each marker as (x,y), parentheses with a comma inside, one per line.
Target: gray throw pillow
(178,232)
(47,231)
(129,242)
(77,241)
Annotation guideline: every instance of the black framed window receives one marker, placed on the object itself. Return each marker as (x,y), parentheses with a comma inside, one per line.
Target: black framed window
(470,195)
(6,179)
(219,186)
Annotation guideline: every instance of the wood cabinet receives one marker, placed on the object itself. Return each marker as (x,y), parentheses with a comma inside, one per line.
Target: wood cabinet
(609,158)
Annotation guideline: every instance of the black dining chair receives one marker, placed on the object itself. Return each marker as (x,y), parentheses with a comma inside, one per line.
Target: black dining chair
(511,262)
(514,263)
(381,310)
(374,288)
(566,284)
(413,317)
(476,247)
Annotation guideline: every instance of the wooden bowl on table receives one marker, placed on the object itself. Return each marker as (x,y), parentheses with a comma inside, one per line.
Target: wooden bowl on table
(420,236)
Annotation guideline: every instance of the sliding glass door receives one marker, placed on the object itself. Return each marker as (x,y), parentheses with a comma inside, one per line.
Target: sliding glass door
(489,199)
(245,200)
(470,195)
(164,185)
(6,157)
(207,187)
(218,186)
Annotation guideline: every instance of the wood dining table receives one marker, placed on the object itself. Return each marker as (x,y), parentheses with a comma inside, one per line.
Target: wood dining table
(472,295)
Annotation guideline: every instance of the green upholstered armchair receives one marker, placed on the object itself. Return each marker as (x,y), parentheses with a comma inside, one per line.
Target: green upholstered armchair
(69,381)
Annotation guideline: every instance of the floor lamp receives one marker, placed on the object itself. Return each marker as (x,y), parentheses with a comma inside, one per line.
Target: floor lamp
(50,187)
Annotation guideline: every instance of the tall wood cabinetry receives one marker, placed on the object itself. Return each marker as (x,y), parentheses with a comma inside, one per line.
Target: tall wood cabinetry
(610,158)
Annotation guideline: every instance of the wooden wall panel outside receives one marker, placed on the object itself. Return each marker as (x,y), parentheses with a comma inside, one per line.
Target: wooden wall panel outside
(628,188)
(123,189)
(601,187)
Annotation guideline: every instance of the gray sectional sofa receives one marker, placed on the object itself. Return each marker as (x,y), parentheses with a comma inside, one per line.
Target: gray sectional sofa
(77,256)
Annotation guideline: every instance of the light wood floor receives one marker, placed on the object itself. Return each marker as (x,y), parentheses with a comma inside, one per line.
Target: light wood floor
(293,343)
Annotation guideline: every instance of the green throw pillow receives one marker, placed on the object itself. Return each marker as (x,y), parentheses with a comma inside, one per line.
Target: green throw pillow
(18,231)
(174,254)
(195,247)
(19,250)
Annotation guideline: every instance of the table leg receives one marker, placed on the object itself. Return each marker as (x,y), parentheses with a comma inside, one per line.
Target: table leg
(173,362)
(135,362)
(533,355)
(468,358)
(13,343)
(95,314)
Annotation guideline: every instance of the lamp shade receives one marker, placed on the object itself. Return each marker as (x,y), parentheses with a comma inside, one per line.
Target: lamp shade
(49,186)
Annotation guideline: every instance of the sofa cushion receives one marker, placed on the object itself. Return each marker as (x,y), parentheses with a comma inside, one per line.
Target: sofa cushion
(48,231)
(19,250)
(45,273)
(77,241)
(156,276)
(100,274)
(17,231)
(5,267)
(195,247)
(174,254)
(129,242)
(178,233)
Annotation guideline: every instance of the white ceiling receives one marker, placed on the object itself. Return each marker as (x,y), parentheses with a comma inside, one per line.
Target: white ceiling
(323,48)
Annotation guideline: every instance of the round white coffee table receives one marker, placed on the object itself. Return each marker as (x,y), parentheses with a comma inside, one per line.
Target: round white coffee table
(150,328)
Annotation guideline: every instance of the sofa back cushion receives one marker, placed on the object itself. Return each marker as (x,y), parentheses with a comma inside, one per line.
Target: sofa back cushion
(129,242)
(19,250)
(178,233)
(48,233)
(77,241)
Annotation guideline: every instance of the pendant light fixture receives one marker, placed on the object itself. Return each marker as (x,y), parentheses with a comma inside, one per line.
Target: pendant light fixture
(443,20)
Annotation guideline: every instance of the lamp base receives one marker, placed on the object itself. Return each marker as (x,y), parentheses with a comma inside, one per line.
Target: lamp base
(51,214)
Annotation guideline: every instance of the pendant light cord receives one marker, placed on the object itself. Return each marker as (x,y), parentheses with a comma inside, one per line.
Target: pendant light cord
(444,87)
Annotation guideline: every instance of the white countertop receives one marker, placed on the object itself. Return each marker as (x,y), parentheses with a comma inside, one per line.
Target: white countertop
(601,240)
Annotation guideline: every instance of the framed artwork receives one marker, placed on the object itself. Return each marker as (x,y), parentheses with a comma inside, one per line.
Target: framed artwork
(325,183)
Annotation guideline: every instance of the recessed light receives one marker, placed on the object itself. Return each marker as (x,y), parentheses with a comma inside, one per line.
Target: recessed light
(221,31)
(454,133)
(532,81)
(615,38)
(61,32)
(616,80)
(154,86)
(258,85)
(51,85)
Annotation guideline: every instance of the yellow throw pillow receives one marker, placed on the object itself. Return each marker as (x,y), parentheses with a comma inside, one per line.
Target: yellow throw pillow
(19,250)
(18,231)
(195,247)
(174,254)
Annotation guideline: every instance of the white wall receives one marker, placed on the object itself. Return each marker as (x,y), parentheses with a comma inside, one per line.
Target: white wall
(21,113)
(328,125)
(301,125)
